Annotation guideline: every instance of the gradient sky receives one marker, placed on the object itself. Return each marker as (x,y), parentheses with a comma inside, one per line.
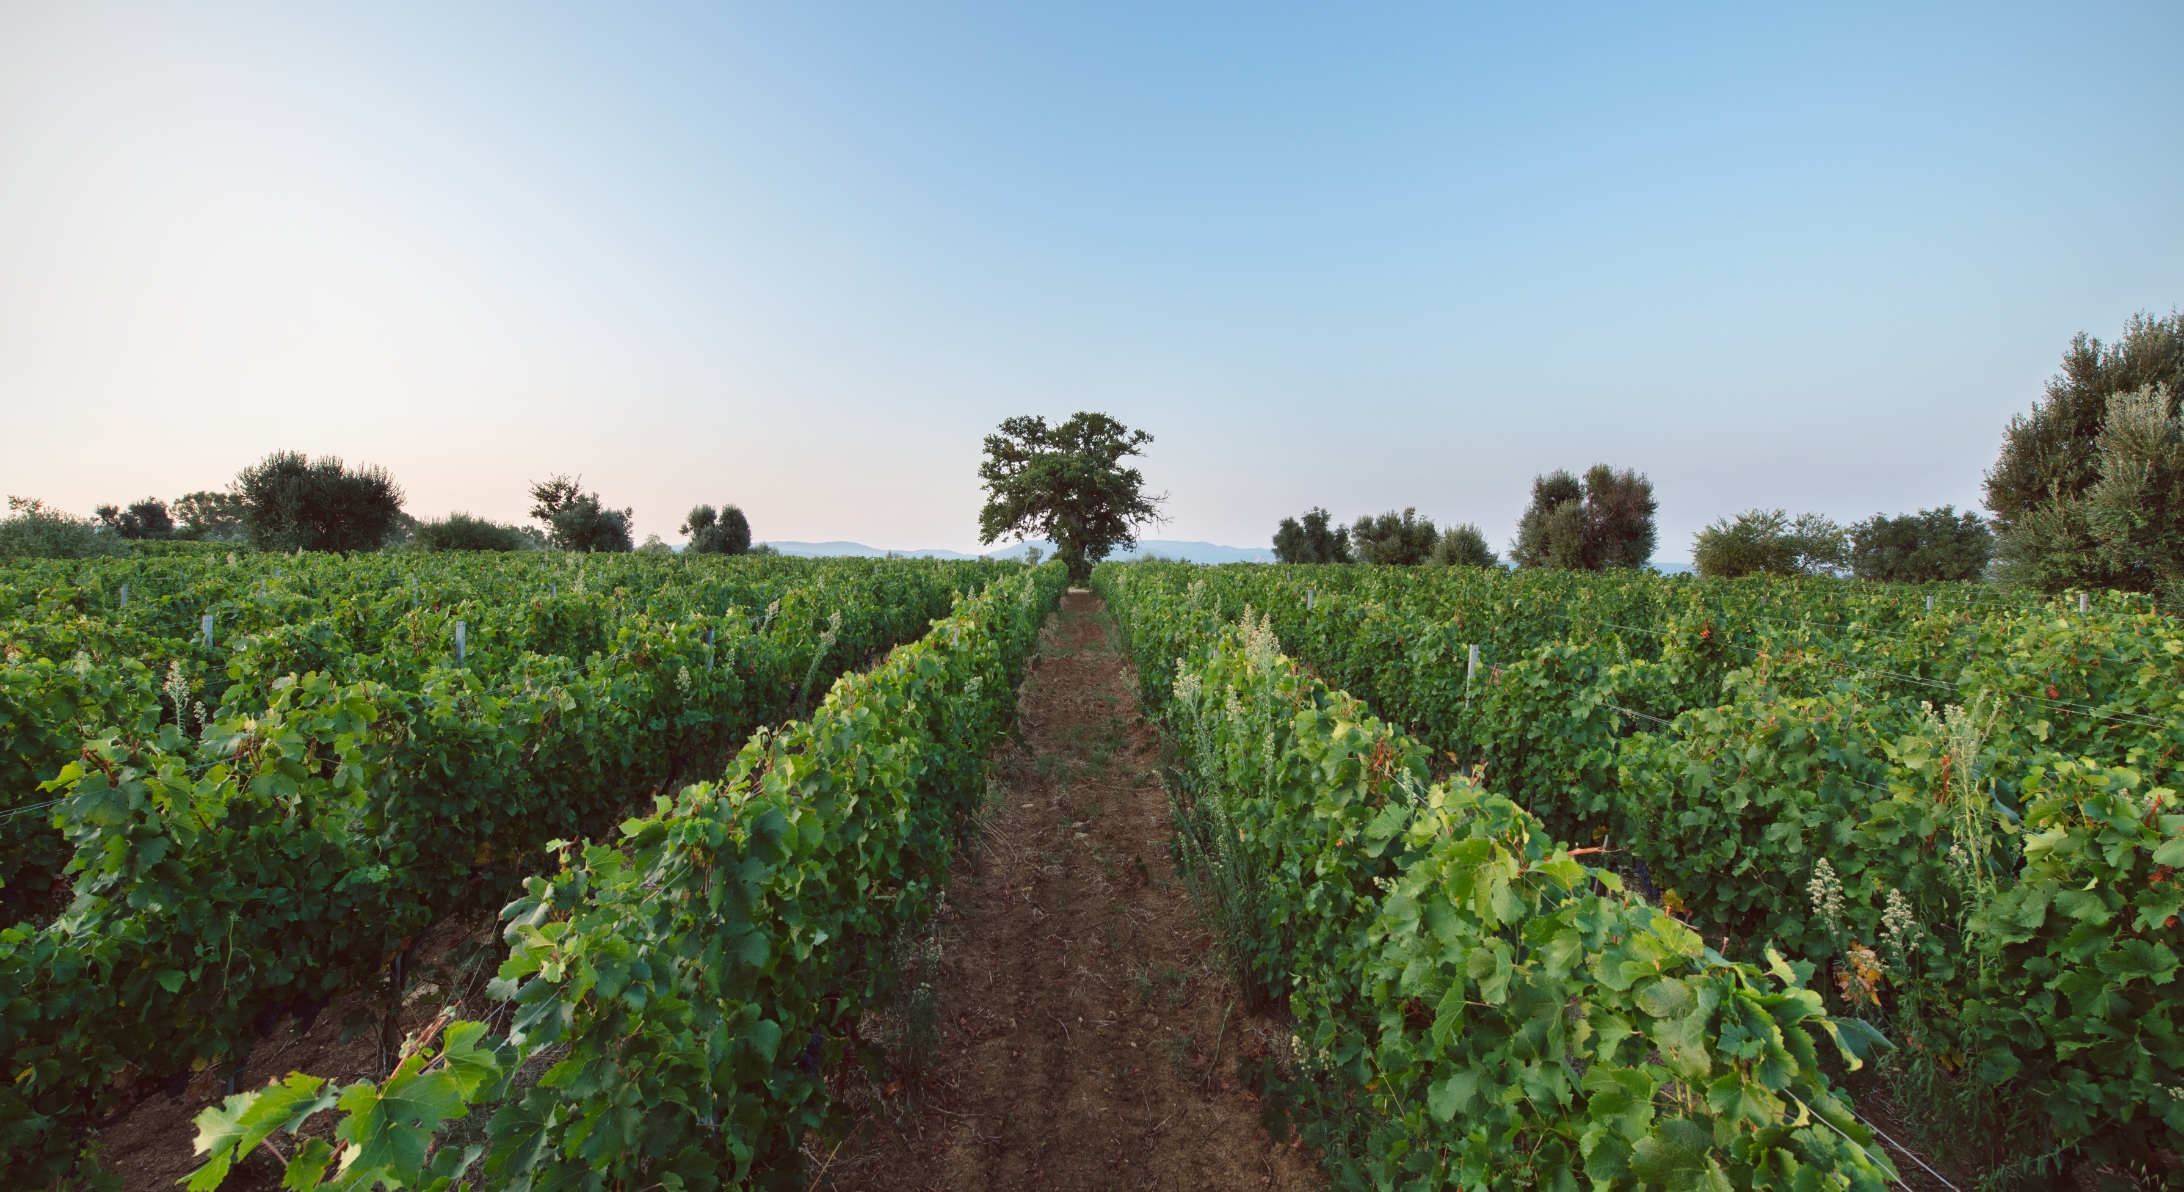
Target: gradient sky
(803,257)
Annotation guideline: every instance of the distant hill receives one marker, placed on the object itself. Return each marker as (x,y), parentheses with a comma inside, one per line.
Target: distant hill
(1189,552)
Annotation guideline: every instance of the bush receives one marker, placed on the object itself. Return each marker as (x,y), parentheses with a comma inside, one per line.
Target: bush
(727,532)
(35,531)
(460,531)
(290,502)
(1767,542)
(1932,544)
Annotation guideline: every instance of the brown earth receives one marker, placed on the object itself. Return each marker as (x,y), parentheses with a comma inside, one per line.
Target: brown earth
(1086,1035)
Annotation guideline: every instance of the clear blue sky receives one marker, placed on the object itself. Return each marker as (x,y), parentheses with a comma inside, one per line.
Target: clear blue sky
(802,257)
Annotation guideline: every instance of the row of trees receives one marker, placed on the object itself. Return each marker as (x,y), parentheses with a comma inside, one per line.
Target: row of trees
(2088,492)
(1593,522)
(288,502)
(1932,544)
(1392,539)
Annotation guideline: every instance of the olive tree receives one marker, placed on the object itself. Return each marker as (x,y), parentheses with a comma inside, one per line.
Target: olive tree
(2077,504)
(1602,521)
(1464,546)
(575,520)
(1932,544)
(1768,542)
(147,518)
(1395,540)
(460,531)
(722,532)
(1314,540)
(291,502)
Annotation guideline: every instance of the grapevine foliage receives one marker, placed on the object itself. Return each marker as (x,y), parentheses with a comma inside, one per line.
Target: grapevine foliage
(1495,1012)
(705,971)
(1960,816)
(243,849)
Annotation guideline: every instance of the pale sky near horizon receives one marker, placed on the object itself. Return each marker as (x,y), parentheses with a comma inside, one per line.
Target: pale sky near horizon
(803,257)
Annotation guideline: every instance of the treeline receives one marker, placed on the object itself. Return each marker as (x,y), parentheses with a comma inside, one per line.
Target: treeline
(1601,520)
(289,502)
(2088,493)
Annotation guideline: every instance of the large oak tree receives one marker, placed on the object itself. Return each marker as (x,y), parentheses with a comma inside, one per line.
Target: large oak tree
(1066,483)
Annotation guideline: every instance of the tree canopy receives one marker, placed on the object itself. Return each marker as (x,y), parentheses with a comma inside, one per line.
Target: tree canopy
(1464,546)
(1602,521)
(1314,540)
(575,520)
(1767,542)
(290,502)
(1066,483)
(1932,544)
(1395,540)
(208,515)
(722,532)
(147,518)
(2078,506)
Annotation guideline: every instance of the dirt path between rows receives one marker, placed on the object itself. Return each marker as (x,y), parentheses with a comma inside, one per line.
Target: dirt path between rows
(1078,1002)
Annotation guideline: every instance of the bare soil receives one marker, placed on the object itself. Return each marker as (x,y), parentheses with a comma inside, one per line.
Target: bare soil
(1086,1036)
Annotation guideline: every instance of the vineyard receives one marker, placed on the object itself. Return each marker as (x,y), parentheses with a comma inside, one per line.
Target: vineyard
(1621,878)
(1873,811)
(236,788)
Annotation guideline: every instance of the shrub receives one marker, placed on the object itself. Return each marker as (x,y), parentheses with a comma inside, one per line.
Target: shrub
(35,531)
(460,531)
